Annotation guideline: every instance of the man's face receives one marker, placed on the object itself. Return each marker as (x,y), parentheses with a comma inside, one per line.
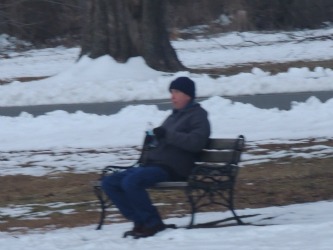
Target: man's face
(179,99)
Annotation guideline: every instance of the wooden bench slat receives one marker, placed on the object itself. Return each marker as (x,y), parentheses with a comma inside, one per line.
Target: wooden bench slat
(218,156)
(165,184)
(221,144)
(171,184)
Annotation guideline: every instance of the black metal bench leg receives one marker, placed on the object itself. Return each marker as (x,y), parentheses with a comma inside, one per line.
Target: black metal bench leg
(102,217)
(192,218)
(239,221)
(99,195)
(193,208)
(231,207)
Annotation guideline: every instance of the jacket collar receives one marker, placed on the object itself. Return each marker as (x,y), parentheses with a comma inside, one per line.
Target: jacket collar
(186,108)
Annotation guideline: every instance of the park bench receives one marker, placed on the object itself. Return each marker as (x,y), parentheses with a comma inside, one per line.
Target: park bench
(212,180)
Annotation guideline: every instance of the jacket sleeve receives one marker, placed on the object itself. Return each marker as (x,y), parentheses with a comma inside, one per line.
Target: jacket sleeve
(195,139)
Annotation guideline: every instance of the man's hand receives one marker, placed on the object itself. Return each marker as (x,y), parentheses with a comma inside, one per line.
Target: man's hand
(159,132)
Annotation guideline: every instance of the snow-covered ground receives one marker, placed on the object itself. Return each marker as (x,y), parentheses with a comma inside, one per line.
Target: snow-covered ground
(44,139)
(295,227)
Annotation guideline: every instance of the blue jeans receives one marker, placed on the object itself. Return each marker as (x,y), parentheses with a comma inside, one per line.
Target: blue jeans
(127,190)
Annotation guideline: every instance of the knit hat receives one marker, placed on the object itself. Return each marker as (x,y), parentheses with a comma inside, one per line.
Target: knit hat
(185,85)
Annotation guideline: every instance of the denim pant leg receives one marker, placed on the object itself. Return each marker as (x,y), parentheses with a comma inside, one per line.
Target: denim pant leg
(127,190)
(112,186)
(135,188)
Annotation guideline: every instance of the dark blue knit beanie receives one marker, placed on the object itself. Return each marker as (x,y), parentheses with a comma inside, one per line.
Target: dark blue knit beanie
(185,85)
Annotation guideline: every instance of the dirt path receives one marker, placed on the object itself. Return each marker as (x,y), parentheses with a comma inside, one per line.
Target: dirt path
(273,68)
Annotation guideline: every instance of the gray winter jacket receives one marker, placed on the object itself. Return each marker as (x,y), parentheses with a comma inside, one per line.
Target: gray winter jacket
(187,133)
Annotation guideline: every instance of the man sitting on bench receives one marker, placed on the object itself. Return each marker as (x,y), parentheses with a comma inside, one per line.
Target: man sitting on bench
(170,158)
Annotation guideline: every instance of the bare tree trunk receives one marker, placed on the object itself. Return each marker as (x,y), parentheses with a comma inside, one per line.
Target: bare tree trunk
(129,28)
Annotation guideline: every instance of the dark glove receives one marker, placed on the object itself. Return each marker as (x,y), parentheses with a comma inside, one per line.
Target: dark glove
(159,132)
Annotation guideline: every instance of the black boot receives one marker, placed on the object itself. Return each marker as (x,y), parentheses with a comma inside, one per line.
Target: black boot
(151,231)
(135,230)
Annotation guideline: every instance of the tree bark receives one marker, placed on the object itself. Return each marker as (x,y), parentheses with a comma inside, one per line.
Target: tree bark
(129,28)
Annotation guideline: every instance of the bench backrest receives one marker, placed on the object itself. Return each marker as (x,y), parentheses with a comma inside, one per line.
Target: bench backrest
(223,151)
(217,150)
